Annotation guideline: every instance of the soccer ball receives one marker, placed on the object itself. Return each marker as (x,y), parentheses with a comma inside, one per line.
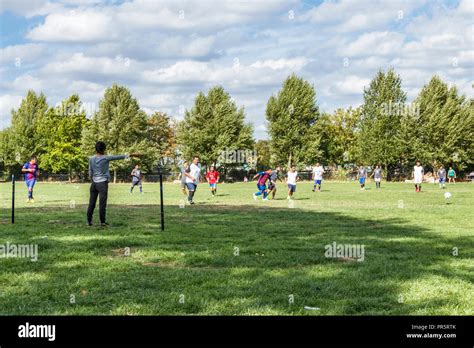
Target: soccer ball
(447,195)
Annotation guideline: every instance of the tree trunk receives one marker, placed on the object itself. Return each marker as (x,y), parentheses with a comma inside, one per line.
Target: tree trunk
(289,160)
(115,176)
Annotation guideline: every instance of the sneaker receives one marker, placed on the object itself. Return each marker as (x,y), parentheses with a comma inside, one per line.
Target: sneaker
(89,223)
(264,199)
(191,202)
(104,224)
(313,190)
(32,200)
(288,197)
(28,200)
(254,197)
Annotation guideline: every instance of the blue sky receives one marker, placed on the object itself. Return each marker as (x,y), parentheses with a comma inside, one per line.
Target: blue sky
(168,51)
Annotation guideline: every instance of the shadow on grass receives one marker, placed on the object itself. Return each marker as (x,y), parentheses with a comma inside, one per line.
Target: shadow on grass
(225,260)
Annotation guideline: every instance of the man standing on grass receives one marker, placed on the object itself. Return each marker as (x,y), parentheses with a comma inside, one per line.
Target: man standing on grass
(31,171)
(362,175)
(291,179)
(136,178)
(418,173)
(441,177)
(192,178)
(100,176)
(318,172)
(273,179)
(377,174)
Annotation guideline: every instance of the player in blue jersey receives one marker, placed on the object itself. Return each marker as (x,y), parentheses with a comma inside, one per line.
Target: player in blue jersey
(31,171)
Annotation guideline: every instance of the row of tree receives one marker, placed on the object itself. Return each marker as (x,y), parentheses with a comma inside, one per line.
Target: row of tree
(437,128)
(62,137)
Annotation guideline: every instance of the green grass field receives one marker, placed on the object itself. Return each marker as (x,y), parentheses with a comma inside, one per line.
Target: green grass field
(234,256)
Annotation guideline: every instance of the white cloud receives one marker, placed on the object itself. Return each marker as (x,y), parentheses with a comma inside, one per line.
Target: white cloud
(7,103)
(29,8)
(351,85)
(80,65)
(25,53)
(74,26)
(356,15)
(277,64)
(374,43)
(111,21)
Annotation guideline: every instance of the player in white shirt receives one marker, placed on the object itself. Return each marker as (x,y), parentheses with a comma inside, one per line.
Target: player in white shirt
(291,179)
(193,174)
(318,172)
(418,173)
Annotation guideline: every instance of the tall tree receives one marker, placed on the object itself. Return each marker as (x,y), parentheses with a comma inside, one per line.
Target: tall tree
(161,135)
(262,149)
(338,131)
(214,125)
(291,116)
(61,128)
(384,101)
(8,159)
(26,139)
(120,123)
(443,128)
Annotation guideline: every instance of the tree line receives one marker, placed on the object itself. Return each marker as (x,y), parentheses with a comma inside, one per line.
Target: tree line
(436,128)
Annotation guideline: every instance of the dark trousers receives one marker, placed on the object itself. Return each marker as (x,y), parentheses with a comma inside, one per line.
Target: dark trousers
(100,189)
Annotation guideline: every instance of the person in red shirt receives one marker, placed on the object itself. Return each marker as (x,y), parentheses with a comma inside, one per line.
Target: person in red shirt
(212,177)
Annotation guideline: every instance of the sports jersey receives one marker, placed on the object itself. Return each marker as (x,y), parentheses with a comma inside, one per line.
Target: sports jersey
(274,176)
(195,172)
(292,178)
(418,171)
(99,167)
(31,175)
(318,173)
(262,178)
(136,174)
(212,177)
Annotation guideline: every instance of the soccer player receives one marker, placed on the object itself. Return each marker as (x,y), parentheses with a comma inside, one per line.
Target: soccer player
(273,179)
(31,171)
(100,176)
(182,175)
(418,173)
(262,184)
(441,177)
(451,175)
(377,174)
(193,174)
(136,178)
(362,175)
(212,177)
(318,172)
(291,179)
